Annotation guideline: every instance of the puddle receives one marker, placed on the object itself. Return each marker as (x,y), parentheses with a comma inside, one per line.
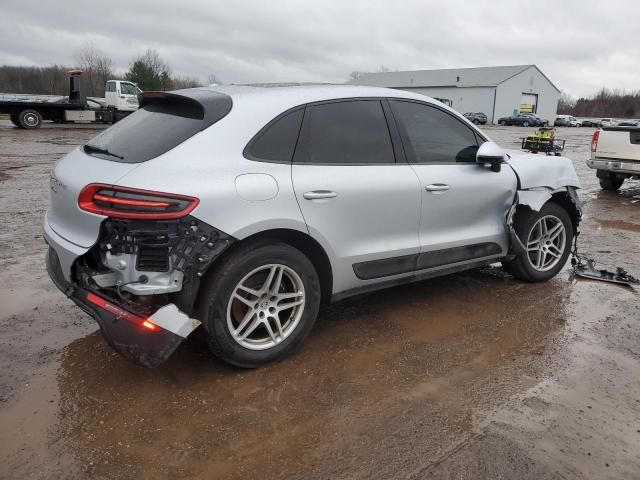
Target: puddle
(618,225)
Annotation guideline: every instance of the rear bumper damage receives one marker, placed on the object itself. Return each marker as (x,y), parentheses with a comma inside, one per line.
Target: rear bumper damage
(147,341)
(139,282)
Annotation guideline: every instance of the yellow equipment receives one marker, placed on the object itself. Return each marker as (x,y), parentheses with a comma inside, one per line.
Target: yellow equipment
(543,140)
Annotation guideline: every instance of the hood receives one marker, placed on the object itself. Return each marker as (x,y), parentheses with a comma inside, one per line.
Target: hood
(542,170)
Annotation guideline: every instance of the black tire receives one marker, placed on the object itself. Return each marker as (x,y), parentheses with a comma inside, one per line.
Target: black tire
(14,120)
(612,183)
(476,122)
(525,219)
(525,124)
(216,295)
(29,119)
(503,123)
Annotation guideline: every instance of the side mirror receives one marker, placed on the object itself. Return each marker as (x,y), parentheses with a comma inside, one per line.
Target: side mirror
(492,154)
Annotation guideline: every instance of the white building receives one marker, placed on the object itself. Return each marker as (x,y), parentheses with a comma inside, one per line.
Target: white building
(495,91)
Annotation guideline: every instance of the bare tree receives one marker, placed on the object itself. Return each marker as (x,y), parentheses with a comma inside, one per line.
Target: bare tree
(178,83)
(566,103)
(97,66)
(213,79)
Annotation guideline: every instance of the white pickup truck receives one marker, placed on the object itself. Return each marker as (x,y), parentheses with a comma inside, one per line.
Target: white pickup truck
(615,155)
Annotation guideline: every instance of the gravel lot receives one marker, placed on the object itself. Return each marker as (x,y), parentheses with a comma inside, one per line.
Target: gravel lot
(472,376)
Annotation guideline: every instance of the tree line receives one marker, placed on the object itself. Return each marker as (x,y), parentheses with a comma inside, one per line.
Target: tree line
(148,70)
(605,103)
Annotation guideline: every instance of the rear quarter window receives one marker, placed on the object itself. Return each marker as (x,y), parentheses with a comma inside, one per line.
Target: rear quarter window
(276,142)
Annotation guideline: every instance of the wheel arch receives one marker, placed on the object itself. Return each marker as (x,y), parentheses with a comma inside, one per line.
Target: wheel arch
(567,198)
(569,201)
(299,240)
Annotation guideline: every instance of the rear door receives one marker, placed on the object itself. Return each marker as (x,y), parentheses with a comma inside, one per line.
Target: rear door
(463,203)
(362,206)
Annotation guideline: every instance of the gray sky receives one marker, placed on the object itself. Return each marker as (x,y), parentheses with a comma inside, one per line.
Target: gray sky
(580,45)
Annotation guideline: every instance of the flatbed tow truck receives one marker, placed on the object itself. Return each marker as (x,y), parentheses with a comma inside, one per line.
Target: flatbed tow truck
(29,111)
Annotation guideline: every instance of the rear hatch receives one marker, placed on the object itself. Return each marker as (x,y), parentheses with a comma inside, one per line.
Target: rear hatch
(164,120)
(619,143)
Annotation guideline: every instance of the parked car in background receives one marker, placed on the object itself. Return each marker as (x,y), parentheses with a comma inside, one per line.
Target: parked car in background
(615,155)
(574,122)
(243,208)
(543,122)
(478,118)
(591,123)
(521,119)
(628,123)
(562,121)
(608,122)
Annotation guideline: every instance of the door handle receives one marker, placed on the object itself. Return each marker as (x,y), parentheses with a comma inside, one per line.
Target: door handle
(437,187)
(319,194)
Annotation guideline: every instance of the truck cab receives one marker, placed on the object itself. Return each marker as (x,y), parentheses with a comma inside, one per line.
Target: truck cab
(122,95)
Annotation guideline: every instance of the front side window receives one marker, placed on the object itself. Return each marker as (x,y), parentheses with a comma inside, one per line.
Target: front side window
(128,89)
(431,135)
(345,132)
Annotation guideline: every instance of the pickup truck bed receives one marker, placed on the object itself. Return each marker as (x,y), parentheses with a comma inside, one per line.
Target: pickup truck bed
(615,154)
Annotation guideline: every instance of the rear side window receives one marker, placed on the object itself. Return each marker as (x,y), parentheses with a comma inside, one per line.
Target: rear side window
(160,125)
(349,132)
(431,135)
(277,141)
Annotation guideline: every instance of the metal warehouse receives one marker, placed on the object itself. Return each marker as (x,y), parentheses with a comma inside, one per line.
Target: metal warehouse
(495,91)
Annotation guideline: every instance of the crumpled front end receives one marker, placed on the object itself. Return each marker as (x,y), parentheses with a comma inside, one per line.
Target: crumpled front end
(139,281)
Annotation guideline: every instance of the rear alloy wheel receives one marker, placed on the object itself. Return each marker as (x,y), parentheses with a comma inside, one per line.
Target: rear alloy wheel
(476,122)
(611,183)
(29,119)
(266,306)
(503,123)
(262,303)
(547,236)
(525,124)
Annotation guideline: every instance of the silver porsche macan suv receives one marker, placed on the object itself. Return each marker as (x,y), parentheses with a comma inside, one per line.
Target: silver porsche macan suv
(239,210)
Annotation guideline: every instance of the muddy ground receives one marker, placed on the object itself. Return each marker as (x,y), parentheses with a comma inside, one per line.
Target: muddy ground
(470,376)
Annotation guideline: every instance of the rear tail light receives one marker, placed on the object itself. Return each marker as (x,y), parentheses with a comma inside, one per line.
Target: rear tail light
(122,313)
(594,141)
(122,202)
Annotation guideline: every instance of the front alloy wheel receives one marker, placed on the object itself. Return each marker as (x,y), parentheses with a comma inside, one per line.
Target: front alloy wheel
(546,236)
(546,243)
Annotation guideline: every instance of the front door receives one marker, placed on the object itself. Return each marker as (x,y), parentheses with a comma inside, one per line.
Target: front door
(128,97)
(362,206)
(464,204)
